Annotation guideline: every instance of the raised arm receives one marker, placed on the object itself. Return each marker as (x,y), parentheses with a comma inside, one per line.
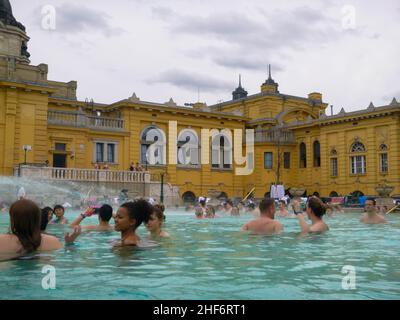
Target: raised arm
(89,212)
(71,237)
(305,228)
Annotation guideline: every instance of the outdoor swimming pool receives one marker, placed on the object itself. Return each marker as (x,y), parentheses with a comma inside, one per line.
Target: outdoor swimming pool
(210,259)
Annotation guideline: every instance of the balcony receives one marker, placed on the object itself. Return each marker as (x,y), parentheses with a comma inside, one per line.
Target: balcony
(81,120)
(275,136)
(86,175)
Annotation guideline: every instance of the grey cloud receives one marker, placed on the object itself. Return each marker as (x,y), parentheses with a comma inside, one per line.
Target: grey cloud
(191,81)
(73,18)
(245,62)
(269,34)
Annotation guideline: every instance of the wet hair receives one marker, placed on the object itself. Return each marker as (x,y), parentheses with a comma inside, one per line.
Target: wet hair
(202,202)
(282,201)
(59,207)
(371,199)
(316,206)
(44,221)
(265,204)
(139,210)
(161,207)
(25,224)
(252,206)
(105,212)
(229,202)
(158,213)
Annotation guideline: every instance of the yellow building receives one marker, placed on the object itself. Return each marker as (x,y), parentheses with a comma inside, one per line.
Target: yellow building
(296,143)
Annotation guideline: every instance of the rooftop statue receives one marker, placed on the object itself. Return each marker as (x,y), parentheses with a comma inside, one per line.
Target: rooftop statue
(6,15)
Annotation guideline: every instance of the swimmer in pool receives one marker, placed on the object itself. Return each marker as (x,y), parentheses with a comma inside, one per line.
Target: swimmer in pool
(283,212)
(59,212)
(315,209)
(105,214)
(129,217)
(371,216)
(155,223)
(266,223)
(25,235)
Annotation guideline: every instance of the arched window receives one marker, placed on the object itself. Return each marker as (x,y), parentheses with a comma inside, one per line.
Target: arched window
(153,146)
(221,152)
(357,147)
(383,159)
(303,155)
(317,154)
(334,163)
(333,194)
(188,148)
(223,196)
(358,163)
(189,197)
(383,147)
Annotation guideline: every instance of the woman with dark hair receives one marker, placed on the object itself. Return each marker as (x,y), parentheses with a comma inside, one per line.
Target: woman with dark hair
(47,215)
(154,225)
(59,211)
(129,217)
(315,209)
(25,235)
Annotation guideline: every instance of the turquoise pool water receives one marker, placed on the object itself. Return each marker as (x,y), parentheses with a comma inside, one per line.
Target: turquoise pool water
(210,259)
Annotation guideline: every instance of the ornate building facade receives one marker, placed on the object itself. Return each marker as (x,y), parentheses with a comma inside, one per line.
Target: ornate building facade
(296,143)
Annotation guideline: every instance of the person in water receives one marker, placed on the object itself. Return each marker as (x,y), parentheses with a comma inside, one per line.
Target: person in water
(265,224)
(371,216)
(105,213)
(315,209)
(59,212)
(283,211)
(25,235)
(129,217)
(210,212)
(46,216)
(154,225)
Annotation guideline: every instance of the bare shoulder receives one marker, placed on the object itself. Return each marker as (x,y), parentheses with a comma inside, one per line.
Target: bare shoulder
(49,243)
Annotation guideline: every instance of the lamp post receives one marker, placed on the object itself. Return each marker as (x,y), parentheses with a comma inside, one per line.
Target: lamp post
(26,148)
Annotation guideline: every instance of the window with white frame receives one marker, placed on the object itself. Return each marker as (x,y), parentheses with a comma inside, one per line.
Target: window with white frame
(105,152)
(188,148)
(334,167)
(358,165)
(384,163)
(221,152)
(358,162)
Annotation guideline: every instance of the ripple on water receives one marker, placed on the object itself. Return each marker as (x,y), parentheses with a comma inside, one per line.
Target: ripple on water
(212,260)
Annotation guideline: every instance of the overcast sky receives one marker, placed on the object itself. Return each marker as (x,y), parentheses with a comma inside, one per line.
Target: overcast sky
(176,48)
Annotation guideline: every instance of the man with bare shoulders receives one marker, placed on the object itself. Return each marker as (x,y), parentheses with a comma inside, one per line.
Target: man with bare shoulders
(266,223)
(371,216)
(105,213)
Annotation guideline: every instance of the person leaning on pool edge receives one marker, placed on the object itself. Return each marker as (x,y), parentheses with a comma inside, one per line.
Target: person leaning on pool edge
(315,209)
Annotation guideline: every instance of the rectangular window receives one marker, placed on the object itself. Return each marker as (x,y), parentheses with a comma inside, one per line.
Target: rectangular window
(286,160)
(358,165)
(384,163)
(111,153)
(267,160)
(61,147)
(334,167)
(99,152)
